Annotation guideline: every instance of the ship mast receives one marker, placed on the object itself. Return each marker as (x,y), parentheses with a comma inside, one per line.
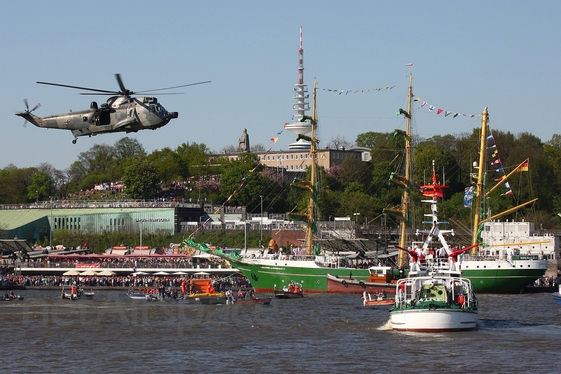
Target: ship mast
(309,185)
(312,202)
(480,193)
(405,198)
(479,201)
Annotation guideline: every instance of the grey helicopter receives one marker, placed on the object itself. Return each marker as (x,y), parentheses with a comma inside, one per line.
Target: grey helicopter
(121,113)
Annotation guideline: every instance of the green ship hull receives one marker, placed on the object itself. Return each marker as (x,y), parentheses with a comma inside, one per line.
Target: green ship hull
(502,280)
(491,276)
(265,278)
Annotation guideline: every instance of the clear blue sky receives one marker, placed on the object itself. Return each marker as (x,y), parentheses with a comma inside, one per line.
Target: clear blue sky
(467,55)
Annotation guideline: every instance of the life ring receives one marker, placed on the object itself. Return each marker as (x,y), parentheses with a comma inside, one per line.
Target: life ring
(361,284)
(344,283)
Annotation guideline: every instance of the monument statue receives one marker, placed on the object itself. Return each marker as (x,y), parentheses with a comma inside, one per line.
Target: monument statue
(243,144)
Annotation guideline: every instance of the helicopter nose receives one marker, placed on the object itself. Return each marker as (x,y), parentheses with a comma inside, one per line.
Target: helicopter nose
(174,114)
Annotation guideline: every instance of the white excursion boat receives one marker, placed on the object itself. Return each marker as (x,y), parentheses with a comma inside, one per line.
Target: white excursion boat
(434,297)
(439,301)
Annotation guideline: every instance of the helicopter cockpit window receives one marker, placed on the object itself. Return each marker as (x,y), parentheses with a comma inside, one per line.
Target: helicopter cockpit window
(155,108)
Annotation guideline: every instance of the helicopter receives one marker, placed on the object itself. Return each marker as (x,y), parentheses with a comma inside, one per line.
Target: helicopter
(121,113)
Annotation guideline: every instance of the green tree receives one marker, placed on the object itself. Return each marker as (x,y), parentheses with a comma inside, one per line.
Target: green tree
(41,187)
(242,179)
(355,171)
(141,180)
(126,150)
(386,145)
(367,139)
(444,163)
(194,160)
(552,152)
(14,185)
(168,164)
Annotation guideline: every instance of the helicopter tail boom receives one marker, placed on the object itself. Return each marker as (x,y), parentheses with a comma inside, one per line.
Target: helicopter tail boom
(37,121)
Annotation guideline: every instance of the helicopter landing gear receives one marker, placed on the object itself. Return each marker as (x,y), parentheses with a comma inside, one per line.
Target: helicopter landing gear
(74,141)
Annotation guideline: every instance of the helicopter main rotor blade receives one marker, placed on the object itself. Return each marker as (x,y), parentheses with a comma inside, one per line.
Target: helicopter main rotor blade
(124,90)
(80,88)
(113,93)
(169,88)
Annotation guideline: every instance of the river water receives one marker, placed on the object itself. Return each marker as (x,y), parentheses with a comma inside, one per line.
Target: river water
(319,333)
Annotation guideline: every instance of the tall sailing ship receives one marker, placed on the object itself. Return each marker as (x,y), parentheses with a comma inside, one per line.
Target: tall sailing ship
(506,271)
(275,270)
(497,269)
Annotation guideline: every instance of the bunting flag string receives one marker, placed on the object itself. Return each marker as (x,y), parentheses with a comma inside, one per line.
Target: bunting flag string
(432,108)
(346,92)
(496,160)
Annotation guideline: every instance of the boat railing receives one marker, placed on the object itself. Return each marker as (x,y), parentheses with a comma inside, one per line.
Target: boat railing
(505,256)
(450,290)
(333,261)
(280,257)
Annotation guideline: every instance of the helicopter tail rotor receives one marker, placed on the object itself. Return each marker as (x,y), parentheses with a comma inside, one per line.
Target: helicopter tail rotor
(27,111)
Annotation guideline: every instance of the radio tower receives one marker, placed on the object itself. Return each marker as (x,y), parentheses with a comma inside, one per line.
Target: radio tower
(300,106)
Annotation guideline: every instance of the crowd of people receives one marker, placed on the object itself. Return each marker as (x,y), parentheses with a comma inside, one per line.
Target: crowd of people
(219,283)
(124,262)
(546,281)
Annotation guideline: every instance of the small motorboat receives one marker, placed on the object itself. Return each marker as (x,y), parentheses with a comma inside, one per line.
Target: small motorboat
(152,297)
(292,291)
(251,299)
(257,300)
(379,299)
(141,293)
(12,297)
(208,298)
(88,294)
(74,293)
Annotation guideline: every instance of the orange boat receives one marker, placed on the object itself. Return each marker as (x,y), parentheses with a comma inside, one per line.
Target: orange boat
(381,279)
(377,300)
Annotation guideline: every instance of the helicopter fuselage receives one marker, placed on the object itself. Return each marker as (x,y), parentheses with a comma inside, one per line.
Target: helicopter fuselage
(118,114)
(121,113)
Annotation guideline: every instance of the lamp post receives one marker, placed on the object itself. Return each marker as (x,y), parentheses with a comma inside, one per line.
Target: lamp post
(37,198)
(245,235)
(51,225)
(356,222)
(140,223)
(261,225)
